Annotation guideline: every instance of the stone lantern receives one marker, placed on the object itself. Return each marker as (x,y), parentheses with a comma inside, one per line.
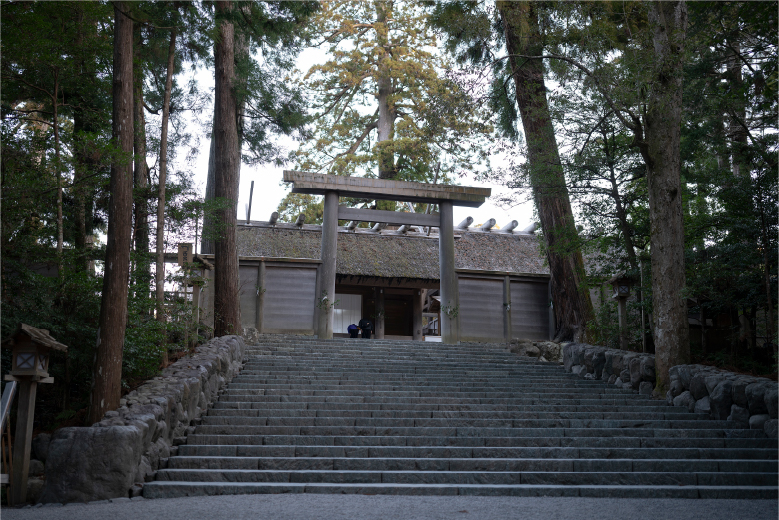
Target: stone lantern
(30,354)
(621,284)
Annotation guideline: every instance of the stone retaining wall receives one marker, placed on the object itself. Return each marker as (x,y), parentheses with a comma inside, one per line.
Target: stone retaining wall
(629,370)
(748,400)
(115,456)
(543,350)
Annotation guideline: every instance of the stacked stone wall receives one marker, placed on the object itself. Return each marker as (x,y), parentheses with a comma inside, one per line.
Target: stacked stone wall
(114,457)
(622,368)
(744,399)
(749,401)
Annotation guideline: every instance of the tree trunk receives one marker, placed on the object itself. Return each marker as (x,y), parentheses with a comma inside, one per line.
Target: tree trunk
(207,240)
(736,131)
(570,297)
(209,228)
(85,159)
(107,370)
(80,171)
(79,166)
(142,273)
(160,268)
(661,154)
(227,313)
(384,80)
(769,309)
(58,169)
(619,207)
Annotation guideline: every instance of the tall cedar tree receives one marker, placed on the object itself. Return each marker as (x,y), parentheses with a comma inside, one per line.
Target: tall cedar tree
(141,172)
(570,297)
(107,371)
(227,313)
(384,101)
(660,149)
(160,269)
(267,103)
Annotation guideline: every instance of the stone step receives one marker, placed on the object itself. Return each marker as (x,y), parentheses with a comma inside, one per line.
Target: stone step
(332,361)
(416,381)
(224,416)
(516,403)
(539,448)
(235,425)
(420,382)
(389,373)
(471,464)
(161,489)
(410,386)
(346,392)
(471,477)
(455,382)
(435,436)
(615,405)
(530,405)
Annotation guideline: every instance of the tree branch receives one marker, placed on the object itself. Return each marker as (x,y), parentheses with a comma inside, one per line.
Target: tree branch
(366,131)
(618,111)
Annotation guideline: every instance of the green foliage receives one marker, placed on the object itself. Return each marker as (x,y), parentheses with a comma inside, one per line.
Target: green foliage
(312,206)
(68,308)
(145,338)
(432,117)
(269,36)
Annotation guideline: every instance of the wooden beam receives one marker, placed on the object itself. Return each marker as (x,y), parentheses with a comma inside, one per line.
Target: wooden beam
(372,281)
(382,189)
(388,217)
(478,273)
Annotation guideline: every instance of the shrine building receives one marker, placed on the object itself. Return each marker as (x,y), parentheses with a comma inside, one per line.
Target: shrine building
(298,278)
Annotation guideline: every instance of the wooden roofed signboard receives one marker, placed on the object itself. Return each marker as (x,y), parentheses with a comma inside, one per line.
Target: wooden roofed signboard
(381,189)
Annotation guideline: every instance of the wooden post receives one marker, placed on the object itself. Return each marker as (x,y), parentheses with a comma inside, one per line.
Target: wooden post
(22,442)
(327,270)
(196,306)
(623,323)
(417,303)
(450,300)
(260,307)
(378,324)
(507,309)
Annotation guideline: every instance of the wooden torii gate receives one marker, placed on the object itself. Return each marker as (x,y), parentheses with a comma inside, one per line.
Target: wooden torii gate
(335,186)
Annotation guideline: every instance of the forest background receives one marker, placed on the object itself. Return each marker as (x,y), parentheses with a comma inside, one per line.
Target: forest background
(556,101)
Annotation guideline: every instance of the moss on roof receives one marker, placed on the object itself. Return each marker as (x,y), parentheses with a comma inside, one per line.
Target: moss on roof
(396,256)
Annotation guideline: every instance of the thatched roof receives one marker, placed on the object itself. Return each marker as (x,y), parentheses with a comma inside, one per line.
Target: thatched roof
(396,256)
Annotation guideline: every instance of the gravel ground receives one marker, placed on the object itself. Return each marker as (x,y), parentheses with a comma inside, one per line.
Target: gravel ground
(358,507)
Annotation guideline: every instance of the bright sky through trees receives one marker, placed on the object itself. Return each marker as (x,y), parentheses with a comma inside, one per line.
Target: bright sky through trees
(269,190)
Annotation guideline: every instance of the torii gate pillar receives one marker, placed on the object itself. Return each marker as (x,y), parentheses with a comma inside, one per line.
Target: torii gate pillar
(450,295)
(326,296)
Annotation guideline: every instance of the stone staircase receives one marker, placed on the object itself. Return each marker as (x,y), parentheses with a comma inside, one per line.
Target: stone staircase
(401,417)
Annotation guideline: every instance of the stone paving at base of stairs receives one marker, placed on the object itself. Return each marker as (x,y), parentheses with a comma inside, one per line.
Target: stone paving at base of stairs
(315,417)
(362,507)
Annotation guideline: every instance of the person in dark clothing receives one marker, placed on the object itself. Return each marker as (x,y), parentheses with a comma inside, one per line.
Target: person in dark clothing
(353,330)
(367,327)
